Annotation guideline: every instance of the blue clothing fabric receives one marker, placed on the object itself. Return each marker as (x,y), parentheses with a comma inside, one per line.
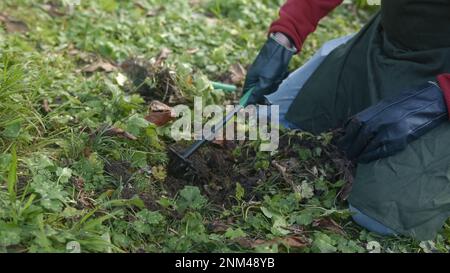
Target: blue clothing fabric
(369,223)
(286,94)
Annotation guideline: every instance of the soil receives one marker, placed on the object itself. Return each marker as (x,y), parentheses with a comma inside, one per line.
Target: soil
(122,171)
(216,170)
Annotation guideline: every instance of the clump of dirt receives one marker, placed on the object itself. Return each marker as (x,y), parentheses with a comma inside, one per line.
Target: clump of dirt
(152,82)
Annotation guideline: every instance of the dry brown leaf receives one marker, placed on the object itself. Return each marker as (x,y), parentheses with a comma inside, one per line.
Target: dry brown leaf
(46,106)
(160,113)
(13,25)
(140,5)
(159,118)
(218,227)
(82,55)
(149,13)
(157,106)
(192,50)
(99,65)
(154,12)
(330,225)
(113,131)
(52,10)
(162,56)
(238,73)
(245,242)
(290,241)
(219,142)
(295,242)
(284,174)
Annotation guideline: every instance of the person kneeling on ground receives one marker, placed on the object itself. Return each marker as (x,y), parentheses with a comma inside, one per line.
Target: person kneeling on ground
(387,86)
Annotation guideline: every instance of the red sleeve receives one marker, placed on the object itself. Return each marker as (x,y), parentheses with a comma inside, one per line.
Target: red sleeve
(299,18)
(444,83)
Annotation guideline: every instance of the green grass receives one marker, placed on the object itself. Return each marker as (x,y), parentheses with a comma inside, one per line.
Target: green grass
(67,184)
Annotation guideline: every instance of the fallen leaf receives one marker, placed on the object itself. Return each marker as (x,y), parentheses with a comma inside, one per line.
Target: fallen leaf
(290,241)
(13,25)
(287,177)
(295,242)
(154,12)
(219,142)
(192,50)
(157,106)
(113,131)
(160,113)
(238,73)
(245,242)
(329,224)
(86,57)
(159,118)
(162,56)
(140,5)
(52,10)
(218,227)
(99,65)
(46,106)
